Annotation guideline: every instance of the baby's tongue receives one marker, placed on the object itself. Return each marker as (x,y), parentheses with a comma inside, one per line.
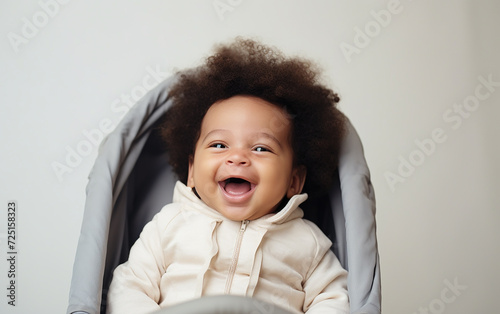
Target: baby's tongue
(237,188)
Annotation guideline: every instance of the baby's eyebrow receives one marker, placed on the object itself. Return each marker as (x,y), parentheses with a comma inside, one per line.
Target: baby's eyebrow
(215,131)
(268,136)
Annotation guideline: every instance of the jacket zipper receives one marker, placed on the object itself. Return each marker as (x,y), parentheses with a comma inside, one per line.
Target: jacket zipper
(234,260)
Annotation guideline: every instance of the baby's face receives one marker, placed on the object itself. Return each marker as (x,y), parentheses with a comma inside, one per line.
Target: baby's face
(243,161)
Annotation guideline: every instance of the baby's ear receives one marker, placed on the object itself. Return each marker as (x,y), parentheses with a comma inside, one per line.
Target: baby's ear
(190,178)
(297,182)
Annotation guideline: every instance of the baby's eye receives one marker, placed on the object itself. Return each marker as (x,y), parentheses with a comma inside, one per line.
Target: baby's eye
(261,149)
(218,145)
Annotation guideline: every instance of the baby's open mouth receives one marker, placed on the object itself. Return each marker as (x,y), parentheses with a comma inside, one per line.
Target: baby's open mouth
(236,186)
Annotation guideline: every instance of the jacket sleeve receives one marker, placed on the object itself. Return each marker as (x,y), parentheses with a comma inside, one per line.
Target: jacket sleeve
(135,287)
(326,284)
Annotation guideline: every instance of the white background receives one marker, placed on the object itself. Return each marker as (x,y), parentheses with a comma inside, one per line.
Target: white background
(64,67)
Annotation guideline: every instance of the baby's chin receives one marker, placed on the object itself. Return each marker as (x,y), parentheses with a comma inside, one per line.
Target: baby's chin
(242,213)
(237,214)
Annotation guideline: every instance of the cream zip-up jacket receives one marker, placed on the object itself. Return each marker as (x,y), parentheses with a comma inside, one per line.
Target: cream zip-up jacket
(189,250)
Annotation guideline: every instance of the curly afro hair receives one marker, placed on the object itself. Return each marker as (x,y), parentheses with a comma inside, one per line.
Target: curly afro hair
(246,67)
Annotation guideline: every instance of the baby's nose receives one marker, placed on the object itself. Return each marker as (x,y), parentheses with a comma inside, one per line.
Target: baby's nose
(238,158)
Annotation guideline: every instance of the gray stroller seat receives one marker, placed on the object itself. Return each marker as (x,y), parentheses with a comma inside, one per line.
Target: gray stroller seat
(131,181)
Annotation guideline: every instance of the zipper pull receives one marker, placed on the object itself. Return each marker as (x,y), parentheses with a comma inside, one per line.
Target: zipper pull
(244,224)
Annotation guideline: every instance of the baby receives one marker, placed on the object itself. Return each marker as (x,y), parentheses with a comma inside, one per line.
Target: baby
(248,133)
